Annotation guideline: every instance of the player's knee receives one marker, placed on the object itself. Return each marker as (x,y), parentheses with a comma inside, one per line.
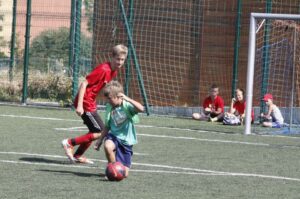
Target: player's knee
(266,124)
(196,116)
(96,135)
(109,145)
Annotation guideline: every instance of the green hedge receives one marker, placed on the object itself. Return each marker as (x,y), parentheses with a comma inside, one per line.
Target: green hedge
(41,87)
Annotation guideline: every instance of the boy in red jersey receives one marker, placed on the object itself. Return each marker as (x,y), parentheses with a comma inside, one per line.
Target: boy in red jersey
(238,105)
(86,106)
(213,107)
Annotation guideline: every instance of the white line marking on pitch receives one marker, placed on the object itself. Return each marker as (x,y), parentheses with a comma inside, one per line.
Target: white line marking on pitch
(206,140)
(39,118)
(141,126)
(183,138)
(144,126)
(102,168)
(192,171)
(55,156)
(173,137)
(46,164)
(78,128)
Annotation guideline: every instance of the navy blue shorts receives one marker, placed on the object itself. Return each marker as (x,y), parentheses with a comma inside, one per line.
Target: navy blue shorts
(276,125)
(123,152)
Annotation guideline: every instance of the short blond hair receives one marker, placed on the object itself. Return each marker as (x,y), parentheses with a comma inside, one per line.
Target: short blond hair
(119,49)
(113,88)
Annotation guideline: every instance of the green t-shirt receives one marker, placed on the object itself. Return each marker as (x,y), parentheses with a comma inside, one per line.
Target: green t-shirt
(120,121)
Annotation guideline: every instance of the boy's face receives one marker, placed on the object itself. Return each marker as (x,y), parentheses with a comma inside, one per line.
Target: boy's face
(114,100)
(118,61)
(268,102)
(239,95)
(214,92)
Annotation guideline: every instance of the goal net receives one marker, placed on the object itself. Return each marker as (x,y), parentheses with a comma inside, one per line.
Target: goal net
(179,56)
(274,69)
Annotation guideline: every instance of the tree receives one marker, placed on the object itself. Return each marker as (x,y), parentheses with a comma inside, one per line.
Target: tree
(89,9)
(52,46)
(2,41)
(2,45)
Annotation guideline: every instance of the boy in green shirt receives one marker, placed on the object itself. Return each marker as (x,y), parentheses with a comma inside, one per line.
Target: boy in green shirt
(119,132)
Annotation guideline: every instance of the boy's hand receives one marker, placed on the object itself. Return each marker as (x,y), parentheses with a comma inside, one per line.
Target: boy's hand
(79,111)
(207,109)
(123,96)
(233,100)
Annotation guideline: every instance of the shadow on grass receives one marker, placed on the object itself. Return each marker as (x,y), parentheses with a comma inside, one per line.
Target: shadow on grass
(80,174)
(43,160)
(101,176)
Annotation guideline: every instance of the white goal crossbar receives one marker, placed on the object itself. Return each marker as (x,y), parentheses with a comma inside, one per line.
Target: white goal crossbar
(251,59)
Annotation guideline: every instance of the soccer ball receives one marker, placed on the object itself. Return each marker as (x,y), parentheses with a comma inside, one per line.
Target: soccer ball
(115,171)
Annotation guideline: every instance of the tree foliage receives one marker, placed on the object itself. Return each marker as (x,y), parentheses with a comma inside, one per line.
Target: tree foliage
(2,41)
(54,45)
(89,9)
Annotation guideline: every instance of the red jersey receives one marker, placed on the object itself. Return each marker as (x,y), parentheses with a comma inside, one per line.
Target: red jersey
(240,107)
(96,81)
(214,104)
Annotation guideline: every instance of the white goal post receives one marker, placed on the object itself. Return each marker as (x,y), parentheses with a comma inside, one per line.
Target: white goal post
(251,59)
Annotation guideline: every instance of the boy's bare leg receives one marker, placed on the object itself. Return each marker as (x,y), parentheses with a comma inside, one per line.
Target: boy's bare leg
(217,118)
(196,116)
(201,117)
(267,124)
(109,148)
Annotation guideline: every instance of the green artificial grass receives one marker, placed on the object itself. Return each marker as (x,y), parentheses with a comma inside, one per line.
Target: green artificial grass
(175,158)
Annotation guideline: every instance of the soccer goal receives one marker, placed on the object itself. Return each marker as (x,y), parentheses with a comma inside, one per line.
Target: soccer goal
(274,67)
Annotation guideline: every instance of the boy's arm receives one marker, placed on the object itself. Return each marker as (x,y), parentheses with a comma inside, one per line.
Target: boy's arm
(100,139)
(81,91)
(269,111)
(232,109)
(219,110)
(206,106)
(138,106)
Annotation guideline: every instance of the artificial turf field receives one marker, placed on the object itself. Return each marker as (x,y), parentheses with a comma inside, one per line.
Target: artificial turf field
(175,158)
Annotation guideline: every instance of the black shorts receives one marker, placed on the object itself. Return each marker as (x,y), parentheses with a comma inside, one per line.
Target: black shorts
(93,121)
